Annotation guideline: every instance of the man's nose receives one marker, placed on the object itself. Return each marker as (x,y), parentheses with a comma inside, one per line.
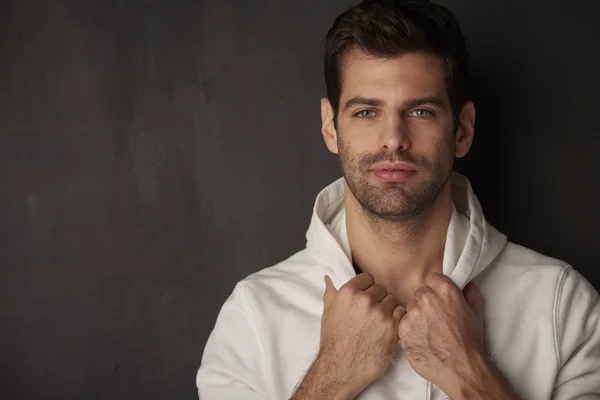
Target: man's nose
(396,135)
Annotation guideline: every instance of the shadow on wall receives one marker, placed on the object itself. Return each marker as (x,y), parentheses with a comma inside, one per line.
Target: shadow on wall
(488,164)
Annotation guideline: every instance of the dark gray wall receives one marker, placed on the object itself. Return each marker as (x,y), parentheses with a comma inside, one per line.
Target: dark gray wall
(155,152)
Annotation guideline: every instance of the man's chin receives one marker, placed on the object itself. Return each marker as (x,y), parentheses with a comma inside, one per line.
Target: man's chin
(394,213)
(384,185)
(387,204)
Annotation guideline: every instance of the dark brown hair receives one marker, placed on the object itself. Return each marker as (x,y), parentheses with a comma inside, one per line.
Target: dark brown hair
(390,28)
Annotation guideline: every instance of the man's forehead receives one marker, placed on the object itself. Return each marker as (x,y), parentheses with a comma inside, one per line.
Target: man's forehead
(412,72)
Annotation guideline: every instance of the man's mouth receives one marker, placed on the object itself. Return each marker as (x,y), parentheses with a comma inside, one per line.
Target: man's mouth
(393,171)
(393,166)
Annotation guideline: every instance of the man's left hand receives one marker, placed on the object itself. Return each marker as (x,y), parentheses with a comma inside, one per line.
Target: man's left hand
(442,332)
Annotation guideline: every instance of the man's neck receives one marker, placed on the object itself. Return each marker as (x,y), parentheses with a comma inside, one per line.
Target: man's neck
(399,252)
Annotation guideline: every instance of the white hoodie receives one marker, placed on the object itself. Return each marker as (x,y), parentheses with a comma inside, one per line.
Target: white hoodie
(541,317)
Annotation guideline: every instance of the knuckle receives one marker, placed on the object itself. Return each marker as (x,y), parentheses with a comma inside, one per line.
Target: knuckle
(365,276)
(427,297)
(364,298)
(381,314)
(391,301)
(403,327)
(343,294)
(346,291)
(446,287)
(381,288)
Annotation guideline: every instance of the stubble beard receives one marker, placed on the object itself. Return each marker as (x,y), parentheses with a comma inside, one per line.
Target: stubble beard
(396,200)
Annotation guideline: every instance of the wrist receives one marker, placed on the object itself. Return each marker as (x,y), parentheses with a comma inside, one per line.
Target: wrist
(480,380)
(324,381)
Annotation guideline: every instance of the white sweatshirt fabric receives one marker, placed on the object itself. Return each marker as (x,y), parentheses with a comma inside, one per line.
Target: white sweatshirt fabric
(541,317)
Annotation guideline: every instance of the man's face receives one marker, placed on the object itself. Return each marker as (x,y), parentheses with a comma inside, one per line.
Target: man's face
(394,132)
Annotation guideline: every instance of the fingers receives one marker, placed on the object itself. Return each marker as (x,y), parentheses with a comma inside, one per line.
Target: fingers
(389,304)
(398,313)
(435,278)
(410,305)
(362,281)
(421,291)
(474,298)
(377,292)
(329,287)
(330,291)
(440,283)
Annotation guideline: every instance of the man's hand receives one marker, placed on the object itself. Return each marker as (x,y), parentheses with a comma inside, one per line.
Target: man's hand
(442,332)
(442,337)
(359,329)
(359,337)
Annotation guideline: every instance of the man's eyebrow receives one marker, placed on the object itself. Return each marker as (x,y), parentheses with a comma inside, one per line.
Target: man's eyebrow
(424,100)
(361,101)
(366,101)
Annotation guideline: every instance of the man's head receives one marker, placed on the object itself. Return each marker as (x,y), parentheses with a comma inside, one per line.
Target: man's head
(396,75)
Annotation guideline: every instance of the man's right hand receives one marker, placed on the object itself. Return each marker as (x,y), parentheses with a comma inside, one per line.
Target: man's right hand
(359,332)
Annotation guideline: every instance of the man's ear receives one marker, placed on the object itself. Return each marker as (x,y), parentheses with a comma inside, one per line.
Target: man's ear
(327,126)
(465,130)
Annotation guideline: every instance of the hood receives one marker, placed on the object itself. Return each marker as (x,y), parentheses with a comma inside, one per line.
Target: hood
(471,243)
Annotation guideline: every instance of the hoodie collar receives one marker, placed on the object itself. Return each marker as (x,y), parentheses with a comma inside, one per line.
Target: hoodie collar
(471,243)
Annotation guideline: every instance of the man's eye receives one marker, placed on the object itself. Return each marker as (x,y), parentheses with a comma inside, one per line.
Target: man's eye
(420,113)
(365,114)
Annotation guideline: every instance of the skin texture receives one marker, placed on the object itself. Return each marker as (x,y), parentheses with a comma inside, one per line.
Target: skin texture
(361,316)
(396,129)
(442,337)
(397,230)
(398,109)
(451,323)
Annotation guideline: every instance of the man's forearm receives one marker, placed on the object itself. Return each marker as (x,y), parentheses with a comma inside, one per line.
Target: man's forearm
(483,382)
(320,382)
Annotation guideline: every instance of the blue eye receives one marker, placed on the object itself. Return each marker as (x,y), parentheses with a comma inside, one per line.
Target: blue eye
(420,113)
(365,114)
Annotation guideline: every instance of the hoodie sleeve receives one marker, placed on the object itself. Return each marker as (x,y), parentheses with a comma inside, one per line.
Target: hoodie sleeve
(577,335)
(232,364)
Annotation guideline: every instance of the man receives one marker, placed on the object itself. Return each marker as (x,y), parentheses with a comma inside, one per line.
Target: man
(404,291)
